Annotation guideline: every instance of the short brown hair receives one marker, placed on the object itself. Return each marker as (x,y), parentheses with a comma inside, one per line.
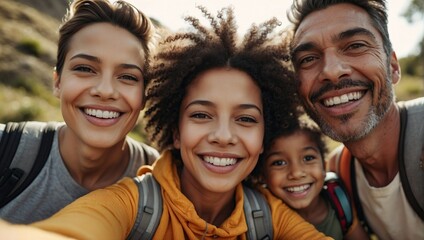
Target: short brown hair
(82,13)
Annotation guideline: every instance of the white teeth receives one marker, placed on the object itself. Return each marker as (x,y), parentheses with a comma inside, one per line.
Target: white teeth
(101,114)
(220,161)
(298,189)
(342,99)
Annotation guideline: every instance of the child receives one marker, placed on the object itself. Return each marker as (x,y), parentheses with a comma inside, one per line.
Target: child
(293,170)
(211,106)
(99,79)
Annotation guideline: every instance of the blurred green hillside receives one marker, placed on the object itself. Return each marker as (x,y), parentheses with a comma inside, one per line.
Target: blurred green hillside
(28,37)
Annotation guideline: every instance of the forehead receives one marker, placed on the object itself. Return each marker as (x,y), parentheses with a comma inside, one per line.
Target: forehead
(105,39)
(224,83)
(298,138)
(326,23)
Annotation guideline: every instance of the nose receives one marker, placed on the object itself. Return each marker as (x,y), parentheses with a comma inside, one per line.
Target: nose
(334,66)
(296,171)
(223,133)
(105,88)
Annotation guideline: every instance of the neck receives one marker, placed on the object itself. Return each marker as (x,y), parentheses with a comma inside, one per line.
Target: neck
(91,167)
(316,212)
(212,207)
(378,151)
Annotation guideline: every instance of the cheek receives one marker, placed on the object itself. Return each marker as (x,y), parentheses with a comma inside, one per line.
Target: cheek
(72,88)
(304,89)
(274,178)
(134,97)
(253,141)
(318,174)
(189,135)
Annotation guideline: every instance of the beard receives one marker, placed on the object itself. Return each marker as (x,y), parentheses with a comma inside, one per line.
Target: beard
(357,131)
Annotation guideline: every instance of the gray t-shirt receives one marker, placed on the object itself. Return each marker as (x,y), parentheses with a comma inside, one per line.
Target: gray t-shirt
(54,187)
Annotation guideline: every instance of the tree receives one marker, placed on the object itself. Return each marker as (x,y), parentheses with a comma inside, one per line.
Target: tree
(415,12)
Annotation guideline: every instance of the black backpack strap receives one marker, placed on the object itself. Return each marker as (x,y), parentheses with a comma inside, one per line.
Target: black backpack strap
(149,207)
(359,211)
(258,215)
(11,184)
(8,145)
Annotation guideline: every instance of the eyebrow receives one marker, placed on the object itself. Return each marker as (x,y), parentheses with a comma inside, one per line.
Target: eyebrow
(130,66)
(341,36)
(355,31)
(314,148)
(86,56)
(96,59)
(208,103)
(270,154)
(301,48)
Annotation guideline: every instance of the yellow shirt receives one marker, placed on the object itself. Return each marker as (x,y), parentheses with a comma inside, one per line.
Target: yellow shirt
(110,213)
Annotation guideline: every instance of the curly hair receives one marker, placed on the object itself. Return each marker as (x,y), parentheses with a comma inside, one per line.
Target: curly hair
(303,125)
(184,55)
(307,126)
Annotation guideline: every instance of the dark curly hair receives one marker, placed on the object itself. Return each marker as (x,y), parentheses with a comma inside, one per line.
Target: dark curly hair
(303,125)
(184,55)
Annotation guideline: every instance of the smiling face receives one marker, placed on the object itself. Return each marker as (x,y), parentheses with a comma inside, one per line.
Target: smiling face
(345,77)
(221,130)
(101,85)
(293,170)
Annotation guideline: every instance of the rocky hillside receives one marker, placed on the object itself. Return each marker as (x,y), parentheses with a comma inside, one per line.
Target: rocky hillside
(52,8)
(28,37)
(28,43)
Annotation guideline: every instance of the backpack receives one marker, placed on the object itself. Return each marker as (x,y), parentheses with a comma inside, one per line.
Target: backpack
(256,209)
(410,113)
(13,180)
(335,192)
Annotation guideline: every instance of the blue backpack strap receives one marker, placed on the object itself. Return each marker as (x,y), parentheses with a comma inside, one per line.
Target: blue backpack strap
(336,193)
(258,215)
(149,207)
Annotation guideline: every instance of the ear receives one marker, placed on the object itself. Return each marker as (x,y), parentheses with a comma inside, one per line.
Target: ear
(394,68)
(56,84)
(177,142)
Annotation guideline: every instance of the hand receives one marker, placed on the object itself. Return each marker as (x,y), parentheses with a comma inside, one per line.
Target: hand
(17,232)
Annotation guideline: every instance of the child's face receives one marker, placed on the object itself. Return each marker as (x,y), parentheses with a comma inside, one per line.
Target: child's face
(294,170)
(101,84)
(221,130)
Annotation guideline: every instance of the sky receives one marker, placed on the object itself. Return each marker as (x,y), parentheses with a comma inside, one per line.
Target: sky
(405,36)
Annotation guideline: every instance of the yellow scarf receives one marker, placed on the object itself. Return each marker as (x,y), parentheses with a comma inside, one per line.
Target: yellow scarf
(179,218)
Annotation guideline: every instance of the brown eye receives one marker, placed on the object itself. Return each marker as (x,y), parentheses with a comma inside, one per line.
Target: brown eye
(83,68)
(248,119)
(199,115)
(129,77)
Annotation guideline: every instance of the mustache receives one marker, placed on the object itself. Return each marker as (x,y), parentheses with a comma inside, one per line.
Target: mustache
(343,83)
